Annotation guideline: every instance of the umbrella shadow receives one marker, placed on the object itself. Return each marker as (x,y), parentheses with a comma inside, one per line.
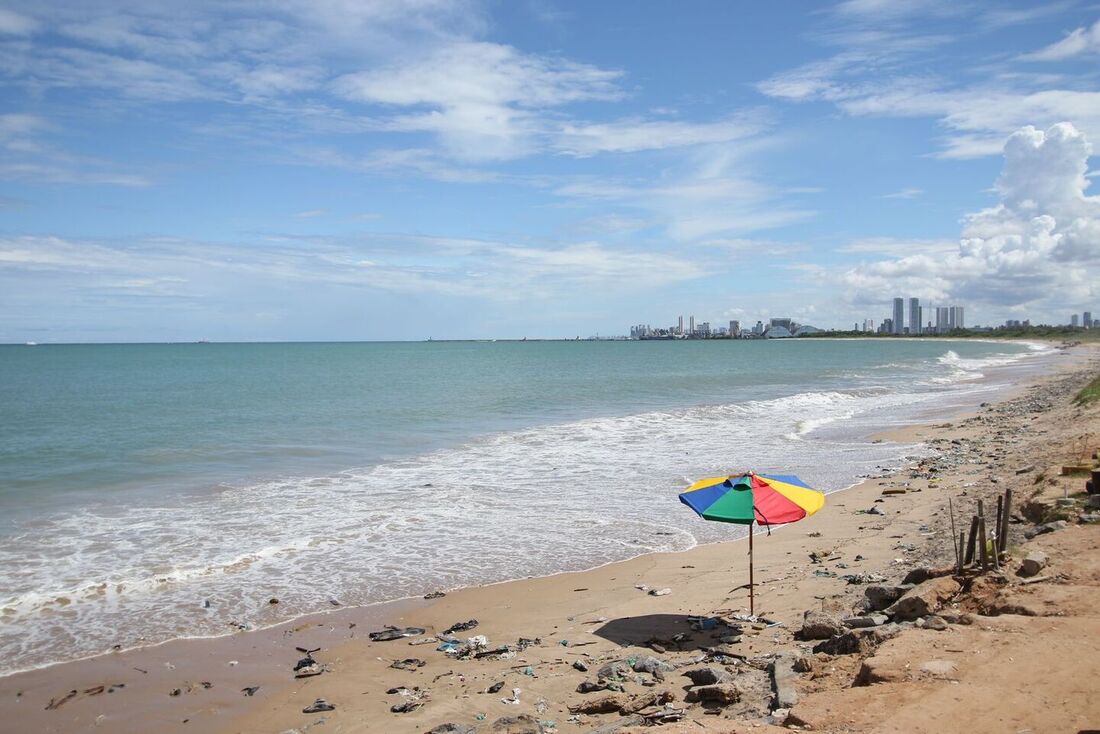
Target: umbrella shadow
(640,631)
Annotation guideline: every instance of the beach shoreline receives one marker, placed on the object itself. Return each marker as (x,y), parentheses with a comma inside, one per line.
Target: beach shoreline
(545,607)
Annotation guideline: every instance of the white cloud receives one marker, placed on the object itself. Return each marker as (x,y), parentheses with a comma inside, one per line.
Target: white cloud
(1038,248)
(480,98)
(631,135)
(483,269)
(906,193)
(15,24)
(1084,40)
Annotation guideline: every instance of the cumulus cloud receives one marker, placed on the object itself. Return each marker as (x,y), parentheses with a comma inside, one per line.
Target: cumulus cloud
(1038,248)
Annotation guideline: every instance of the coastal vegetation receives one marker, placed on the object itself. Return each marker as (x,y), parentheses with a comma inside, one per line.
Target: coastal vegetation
(1090,393)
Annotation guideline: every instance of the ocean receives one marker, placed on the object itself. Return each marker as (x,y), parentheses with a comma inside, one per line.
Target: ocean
(149,492)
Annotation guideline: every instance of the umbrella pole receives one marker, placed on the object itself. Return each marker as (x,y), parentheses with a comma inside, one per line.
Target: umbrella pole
(752,587)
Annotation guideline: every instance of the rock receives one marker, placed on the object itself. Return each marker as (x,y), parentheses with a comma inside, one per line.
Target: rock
(819,626)
(644,701)
(522,724)
(708,676)
(660,592)
(617,670)
(1093,502)
(924,599)
(933,622)
(922,574)
(603,705)
(858,641)
(1025,469)
(451,728)
(1033,563)
(580,665)
(879,597)
(408,664)
(869,620)
(783,676)
(318,706)
(495,688)
(938,668)
(721,693)
(654,666)
(1048,527)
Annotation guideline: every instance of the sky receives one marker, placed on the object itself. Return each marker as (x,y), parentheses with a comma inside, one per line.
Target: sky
(406,169)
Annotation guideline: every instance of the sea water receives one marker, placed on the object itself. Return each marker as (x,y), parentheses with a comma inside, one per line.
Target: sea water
(155,491)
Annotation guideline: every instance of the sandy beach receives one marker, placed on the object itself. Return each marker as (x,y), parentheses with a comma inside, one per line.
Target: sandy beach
(1012,656)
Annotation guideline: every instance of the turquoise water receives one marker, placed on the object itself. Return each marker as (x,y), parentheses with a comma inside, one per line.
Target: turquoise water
(152,491)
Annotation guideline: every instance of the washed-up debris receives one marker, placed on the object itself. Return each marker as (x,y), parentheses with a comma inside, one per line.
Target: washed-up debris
(250,690)
(460,627)
(523,643)
(424,641)
(395,633)
(660,592)
(434,595)
(514,700)
(495,688)
(56,703)
(406,707)
(703,624)
(408,664)
(580,665)
(318,706)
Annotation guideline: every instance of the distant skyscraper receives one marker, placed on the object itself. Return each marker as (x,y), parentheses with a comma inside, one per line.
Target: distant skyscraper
(914,316)
(1073,321)
(735,329)
(1087,320)
(899,315)
(855,326)
(943,319)
(957,321)
(680,326)
(868,325)
(691,325)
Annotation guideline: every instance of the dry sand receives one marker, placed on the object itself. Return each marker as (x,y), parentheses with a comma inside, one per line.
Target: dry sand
(1006,673)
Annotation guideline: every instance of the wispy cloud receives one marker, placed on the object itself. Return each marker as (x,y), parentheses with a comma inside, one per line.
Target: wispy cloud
(906,193)
(1080,42)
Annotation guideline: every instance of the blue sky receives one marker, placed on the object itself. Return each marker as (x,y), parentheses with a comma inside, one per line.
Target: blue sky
(284,169)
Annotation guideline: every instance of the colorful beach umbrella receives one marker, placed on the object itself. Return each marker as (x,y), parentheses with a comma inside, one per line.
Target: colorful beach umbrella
(747,499)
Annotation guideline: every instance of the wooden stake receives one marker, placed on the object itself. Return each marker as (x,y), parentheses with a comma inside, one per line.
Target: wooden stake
(954,532)
(997,527)
(1003,536)
(971,541)
(983,548)
(962,540)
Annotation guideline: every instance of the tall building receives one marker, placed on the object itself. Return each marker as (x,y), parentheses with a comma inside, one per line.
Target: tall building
(680,326)
(735,329)
(957,321)
(1073,321)
(899,316)
(691,325)
(1087,319)
(759,328)
(868,325)
(914,316)
(943,319)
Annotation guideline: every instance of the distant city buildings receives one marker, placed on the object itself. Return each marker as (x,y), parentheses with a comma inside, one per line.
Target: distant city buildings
(909,318)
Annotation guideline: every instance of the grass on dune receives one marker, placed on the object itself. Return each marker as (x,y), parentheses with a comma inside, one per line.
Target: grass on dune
(1089,393)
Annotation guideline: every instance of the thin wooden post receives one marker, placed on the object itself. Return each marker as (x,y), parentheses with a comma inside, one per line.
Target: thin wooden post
(962,540)
(1003,536)
(954,533)
(971,541)
(997,527)
(983,546)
